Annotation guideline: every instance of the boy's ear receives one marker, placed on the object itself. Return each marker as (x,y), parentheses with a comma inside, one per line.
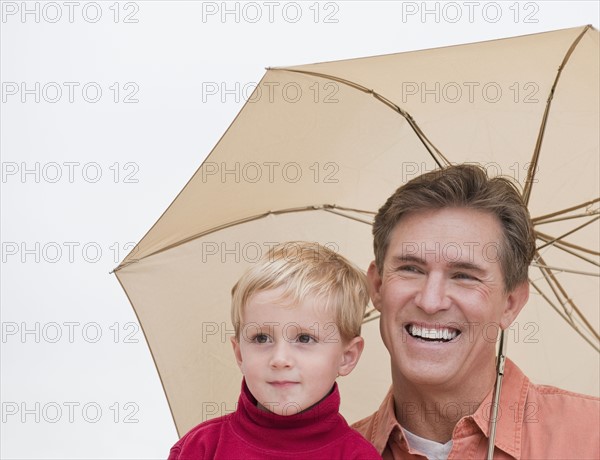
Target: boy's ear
(237,352)
(352,351)
(374,283)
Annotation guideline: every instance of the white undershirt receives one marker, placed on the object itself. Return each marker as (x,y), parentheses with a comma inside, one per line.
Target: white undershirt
(433,450)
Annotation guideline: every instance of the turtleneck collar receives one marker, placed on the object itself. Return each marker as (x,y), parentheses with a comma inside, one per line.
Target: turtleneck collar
(307,430)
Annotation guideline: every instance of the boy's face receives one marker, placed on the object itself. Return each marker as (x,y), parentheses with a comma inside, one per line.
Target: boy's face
(290,354)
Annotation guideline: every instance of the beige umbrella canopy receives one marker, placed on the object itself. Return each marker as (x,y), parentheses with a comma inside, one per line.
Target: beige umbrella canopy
(318,148)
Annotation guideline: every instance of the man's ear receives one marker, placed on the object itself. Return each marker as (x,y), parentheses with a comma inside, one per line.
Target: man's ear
(352,351)
(515,301)
(238,353)
(374,283)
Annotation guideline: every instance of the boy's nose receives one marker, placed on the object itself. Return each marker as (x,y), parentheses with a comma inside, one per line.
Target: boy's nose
(281,356)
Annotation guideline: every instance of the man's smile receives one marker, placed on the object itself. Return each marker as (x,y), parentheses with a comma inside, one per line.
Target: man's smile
(432,334)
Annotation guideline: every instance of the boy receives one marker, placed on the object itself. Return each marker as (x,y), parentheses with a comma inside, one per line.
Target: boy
(297,315)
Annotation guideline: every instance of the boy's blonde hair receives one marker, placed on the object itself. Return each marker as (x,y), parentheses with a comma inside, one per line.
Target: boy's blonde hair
(307,269)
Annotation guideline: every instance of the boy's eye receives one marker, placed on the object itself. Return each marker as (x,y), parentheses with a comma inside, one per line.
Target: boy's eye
(305,338)
(261,338)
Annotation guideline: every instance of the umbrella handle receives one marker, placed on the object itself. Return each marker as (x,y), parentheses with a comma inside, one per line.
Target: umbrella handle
(499,375)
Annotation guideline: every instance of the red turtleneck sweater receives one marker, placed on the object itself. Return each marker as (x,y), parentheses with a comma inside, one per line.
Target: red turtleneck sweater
(251,433)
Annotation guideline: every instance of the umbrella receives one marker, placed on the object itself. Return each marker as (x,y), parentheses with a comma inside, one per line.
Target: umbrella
(318,148)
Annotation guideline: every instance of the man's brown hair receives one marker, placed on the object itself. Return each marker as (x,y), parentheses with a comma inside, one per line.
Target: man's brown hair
(464,186)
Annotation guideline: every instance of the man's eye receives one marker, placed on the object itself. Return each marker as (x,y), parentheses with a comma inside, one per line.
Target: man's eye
(305,338)
(464,276)
(409,268)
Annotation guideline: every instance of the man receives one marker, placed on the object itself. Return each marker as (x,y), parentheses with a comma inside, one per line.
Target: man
(452,251)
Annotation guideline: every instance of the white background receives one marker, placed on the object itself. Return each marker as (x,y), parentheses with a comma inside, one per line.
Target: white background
(83,180)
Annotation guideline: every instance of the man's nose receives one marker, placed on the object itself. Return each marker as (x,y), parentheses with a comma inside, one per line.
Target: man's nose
(282,356)
(432,295)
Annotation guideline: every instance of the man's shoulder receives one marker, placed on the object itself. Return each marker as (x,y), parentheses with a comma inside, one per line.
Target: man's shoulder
(549,394)
(542,407)
(558,423)
(545,394)
(548,405)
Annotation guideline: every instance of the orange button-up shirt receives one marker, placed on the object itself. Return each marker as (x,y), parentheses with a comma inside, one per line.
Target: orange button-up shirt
(534,422)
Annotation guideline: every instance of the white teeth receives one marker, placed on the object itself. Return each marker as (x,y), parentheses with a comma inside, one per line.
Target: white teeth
(432,334)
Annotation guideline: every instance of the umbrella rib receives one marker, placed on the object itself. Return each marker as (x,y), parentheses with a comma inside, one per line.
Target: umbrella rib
(539,219)
(558,238)
(562,315)
(370,311)
(538,144)
(347,216)
(362,211)
(555,284)
(564,270)
(545,274)
(368,319)
(561,219)
(564,245)
(323,207)
(573,253)
(413,124)
(407,116)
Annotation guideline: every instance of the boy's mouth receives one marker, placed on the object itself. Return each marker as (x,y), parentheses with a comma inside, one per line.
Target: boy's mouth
(437,334)
(282,383)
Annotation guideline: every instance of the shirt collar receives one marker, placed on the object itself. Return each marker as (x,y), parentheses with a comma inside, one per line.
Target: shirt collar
(511,413)
(509,428)
(386,423)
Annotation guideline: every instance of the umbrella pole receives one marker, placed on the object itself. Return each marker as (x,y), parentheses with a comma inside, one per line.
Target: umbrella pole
(496,400)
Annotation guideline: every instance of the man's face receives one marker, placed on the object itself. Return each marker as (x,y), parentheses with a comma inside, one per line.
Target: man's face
(290,354)
(441,296)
